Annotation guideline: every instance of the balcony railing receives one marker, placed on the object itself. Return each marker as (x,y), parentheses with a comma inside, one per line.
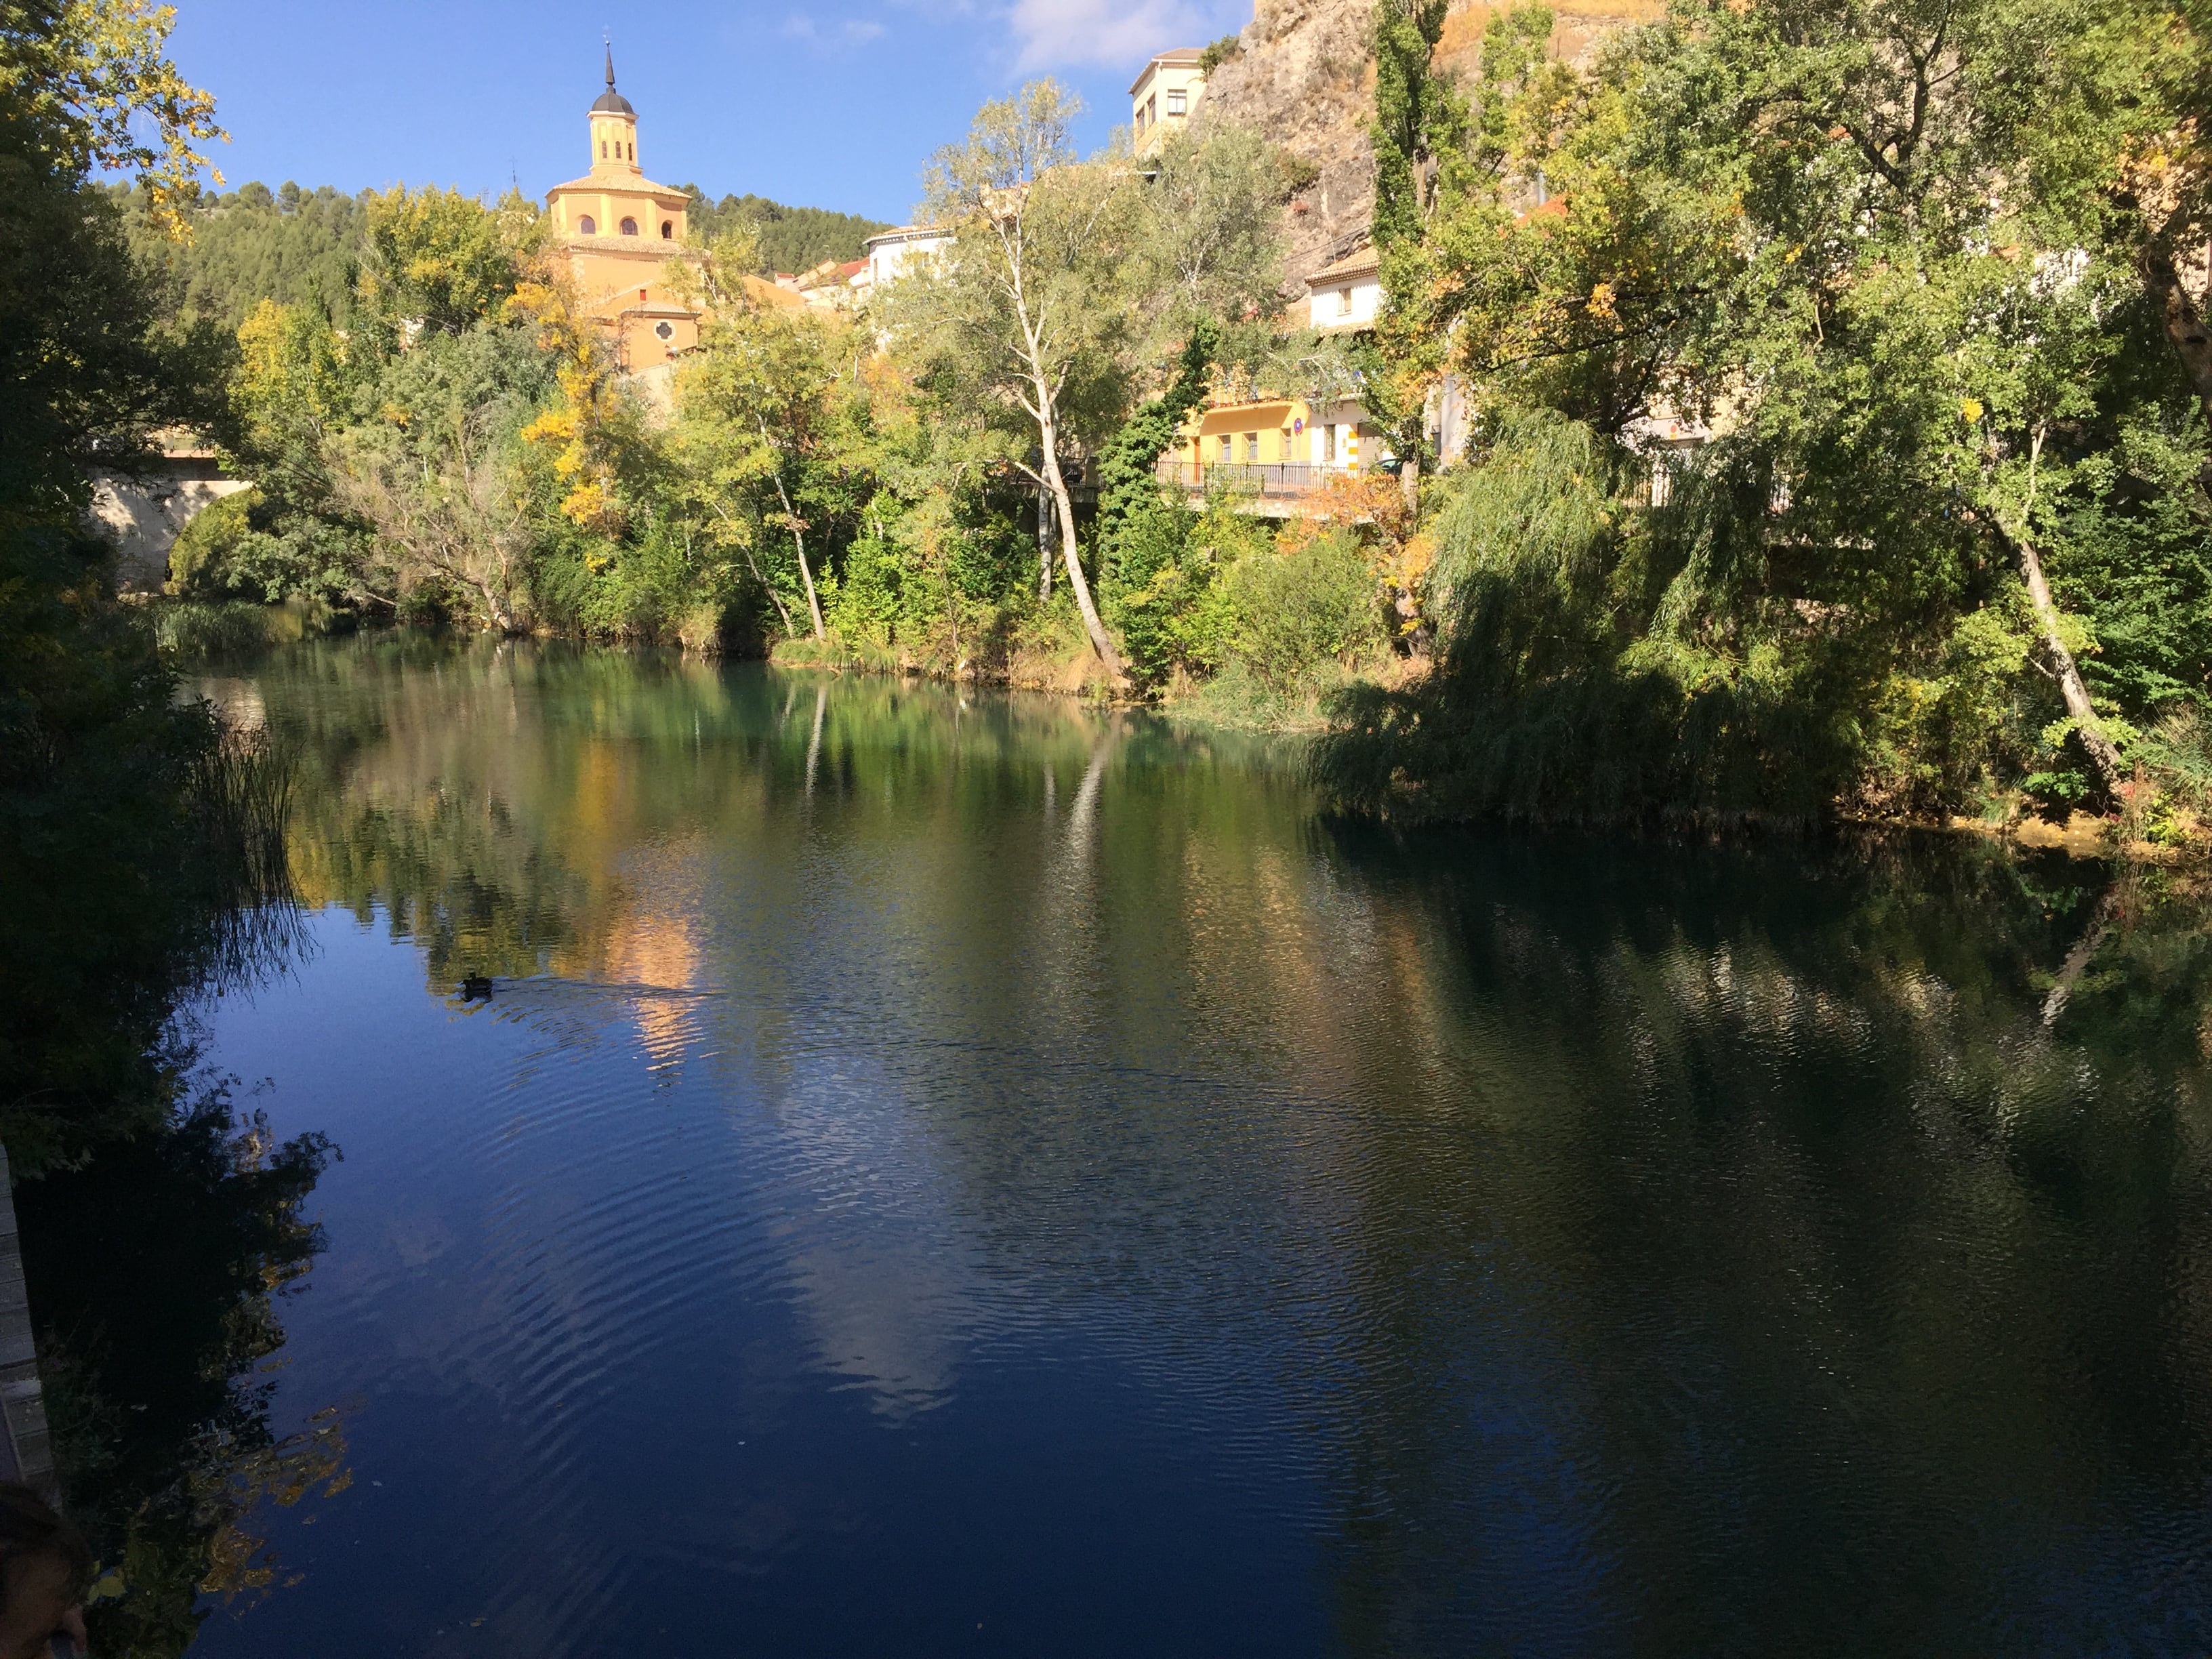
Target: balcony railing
(1252,477)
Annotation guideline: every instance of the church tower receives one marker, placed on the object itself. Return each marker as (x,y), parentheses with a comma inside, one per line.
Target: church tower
(614,129)
(619,230)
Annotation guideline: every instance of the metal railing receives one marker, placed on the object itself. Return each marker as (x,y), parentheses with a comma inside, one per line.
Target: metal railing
(1255,478)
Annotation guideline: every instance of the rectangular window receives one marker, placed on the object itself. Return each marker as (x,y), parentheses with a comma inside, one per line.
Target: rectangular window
(1251,447)
(1152,110)
(1225,442)
(1175,103)
(1344,302)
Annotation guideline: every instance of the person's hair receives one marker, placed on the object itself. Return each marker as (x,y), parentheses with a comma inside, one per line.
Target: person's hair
(28,1527)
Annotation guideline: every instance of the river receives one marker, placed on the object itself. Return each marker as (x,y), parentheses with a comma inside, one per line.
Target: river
(943,1172)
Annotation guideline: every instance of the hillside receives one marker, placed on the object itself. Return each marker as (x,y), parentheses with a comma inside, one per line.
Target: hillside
(1302,75)
(792,239)
(254,244)
(289,245)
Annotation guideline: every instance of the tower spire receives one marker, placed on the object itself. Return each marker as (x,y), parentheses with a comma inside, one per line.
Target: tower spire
(611,65)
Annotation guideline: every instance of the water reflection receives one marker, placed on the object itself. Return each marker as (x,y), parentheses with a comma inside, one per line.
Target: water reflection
(158,1274)
(1083,1169)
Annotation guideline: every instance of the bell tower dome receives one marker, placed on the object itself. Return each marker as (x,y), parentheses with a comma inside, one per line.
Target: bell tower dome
(613,130)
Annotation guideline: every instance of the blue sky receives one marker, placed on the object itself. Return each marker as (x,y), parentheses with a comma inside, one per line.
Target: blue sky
(835,105)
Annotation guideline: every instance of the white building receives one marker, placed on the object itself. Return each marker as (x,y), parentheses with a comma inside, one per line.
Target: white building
(889,253)
(1347,294)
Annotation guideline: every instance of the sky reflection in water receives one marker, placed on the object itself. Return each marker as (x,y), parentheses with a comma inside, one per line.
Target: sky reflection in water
(970,1174)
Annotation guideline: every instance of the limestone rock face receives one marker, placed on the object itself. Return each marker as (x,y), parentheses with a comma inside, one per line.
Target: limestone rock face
(1303,77)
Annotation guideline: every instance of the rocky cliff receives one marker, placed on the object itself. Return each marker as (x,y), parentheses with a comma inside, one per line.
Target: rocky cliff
(1302,76)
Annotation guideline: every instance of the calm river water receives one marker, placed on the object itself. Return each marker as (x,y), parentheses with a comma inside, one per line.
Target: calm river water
(948,1175)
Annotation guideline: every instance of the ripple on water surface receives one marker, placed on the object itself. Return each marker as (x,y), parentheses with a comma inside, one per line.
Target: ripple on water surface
(943,1172)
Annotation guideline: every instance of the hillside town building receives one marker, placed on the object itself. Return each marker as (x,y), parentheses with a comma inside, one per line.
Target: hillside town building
(1346,295)
(619,230)
(889,253)
(1165,97)
(1286,445)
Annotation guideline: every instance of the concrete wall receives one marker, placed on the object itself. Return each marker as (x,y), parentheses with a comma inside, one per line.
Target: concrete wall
(142,515)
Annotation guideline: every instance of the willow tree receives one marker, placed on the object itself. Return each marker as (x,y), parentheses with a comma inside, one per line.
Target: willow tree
(1902,262)
(1023,320)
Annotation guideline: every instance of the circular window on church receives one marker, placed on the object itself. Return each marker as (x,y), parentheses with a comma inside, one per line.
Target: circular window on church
(630,227)
(666,330)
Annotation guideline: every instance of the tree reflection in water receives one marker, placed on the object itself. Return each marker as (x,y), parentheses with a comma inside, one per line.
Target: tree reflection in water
(1651,1247)
(156,1274)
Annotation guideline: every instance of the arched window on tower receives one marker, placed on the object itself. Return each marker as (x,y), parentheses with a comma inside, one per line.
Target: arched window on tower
(630,227)
(603,149)
(588,226)
(668,230)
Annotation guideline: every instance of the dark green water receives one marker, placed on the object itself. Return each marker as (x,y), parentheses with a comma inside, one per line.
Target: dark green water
(945,1175)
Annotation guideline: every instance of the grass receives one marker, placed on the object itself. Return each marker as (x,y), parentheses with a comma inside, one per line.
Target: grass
(192,631)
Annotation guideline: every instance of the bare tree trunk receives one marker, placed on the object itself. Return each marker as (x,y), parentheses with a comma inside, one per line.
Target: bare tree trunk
(1101,641)
(797,537)
(502,621)
(753,564)
(1409,485)
(1044,546)
(2070,685)
(806,573)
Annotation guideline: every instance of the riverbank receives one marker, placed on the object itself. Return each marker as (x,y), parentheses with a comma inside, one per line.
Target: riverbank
(1060,662)
(1235,699)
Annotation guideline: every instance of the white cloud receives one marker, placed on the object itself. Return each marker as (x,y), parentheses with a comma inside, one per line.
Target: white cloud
(851,32)
(1119,34)
(1125,32)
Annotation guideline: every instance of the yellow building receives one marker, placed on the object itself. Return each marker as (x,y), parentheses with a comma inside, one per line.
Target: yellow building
(1165,96)
(1290,445)
(619,230)
(1310,438)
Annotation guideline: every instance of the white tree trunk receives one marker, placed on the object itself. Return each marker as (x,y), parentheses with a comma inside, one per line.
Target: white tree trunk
(1101,641)
(1044,545)
(2071,686)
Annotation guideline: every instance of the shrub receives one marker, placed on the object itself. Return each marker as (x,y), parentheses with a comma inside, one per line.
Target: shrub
(1301,615)
(211,553)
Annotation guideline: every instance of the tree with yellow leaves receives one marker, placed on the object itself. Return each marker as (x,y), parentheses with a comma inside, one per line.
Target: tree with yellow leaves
(592,427)
(89,84)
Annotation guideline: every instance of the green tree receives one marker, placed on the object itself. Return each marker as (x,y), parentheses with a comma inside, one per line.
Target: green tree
(293,247)
(437,474)
(1883,254)
(764,435)
(441,261)
(1211,235)
(1022,322)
